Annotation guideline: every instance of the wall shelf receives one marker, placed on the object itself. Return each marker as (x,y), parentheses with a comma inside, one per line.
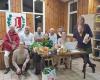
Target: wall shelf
(96,49)
(96,39)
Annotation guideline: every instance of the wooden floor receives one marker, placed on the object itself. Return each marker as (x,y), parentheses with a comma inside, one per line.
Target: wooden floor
(74,74)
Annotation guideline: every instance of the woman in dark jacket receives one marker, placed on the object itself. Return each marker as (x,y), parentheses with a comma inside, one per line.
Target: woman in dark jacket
(83,35)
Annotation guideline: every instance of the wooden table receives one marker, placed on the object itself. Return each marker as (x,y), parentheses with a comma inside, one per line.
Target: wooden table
(70,55)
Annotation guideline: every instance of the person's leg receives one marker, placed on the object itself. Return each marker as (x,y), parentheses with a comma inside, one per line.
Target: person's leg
(84,56)
(27,67)
(91,64)
(87,60)
(37,62)
(6,61)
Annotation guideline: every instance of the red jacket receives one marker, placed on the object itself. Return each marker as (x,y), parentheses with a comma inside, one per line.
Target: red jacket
(11,38)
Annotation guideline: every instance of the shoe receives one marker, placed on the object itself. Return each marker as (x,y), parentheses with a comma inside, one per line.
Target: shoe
(93,65)
(7,70)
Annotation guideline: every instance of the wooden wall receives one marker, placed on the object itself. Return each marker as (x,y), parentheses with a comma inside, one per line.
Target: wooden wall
(15,6)
(82,7)
(56,13)
(2,24)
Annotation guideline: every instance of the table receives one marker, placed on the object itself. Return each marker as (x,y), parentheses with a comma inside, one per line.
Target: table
(69,54)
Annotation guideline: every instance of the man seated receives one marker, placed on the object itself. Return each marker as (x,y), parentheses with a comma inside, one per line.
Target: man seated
(27,37)
(10,43)
(62,42)
(38,36)
(20,59)
(53,36)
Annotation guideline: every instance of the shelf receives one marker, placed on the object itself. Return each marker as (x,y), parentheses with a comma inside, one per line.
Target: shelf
(97,21)
(96,30)
(96,58)
(97,13)
(96,39)
(96,49)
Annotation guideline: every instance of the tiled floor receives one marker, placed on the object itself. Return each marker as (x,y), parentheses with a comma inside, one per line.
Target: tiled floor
(74,74)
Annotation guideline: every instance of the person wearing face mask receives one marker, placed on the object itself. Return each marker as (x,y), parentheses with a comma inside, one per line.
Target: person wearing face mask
(83,35)
(38,36)
(27,37)
(10,43)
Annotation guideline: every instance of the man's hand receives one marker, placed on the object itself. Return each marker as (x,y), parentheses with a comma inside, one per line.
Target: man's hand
(24,66)
(13,46)
(18,71)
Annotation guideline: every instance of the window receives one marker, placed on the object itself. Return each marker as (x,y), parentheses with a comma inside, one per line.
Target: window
(38,21)
(72,16)
(27,5)
(36,7)
(4,5)
(39,14)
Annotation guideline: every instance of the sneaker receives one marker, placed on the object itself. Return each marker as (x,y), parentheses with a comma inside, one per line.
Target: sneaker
(7,70)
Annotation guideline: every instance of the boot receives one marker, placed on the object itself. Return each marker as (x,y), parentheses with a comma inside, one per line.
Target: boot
(7,70)
(93,68)
(92,64)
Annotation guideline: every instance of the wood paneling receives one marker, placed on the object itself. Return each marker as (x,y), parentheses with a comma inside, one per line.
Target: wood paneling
(15,6)
(29,21)
(2,66)
(82,7)
(54,14)
(2,24)
(92,6)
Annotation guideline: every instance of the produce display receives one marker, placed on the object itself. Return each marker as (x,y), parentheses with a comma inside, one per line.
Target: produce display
(47,43)
(49,74)
(62,51)
(46,48)
(42,47)
(47,70)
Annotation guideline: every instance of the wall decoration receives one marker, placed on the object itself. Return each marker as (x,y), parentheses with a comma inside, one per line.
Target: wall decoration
(18,20)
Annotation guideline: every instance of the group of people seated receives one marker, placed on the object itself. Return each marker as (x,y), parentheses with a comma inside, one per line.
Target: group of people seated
(18,45)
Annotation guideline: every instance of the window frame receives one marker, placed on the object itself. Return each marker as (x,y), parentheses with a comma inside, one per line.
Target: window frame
(69,13)
(22,7)
(33,13)
(9,7)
